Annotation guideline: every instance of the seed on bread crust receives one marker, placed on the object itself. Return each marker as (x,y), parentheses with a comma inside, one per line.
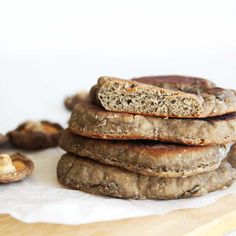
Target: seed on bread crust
(34,135)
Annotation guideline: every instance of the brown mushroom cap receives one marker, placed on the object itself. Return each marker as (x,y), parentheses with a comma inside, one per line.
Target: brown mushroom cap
(24,167)
(3,140)
(34,139)
(72,101)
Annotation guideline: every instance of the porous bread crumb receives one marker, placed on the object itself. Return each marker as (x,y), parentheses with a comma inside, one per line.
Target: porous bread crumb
(133,97)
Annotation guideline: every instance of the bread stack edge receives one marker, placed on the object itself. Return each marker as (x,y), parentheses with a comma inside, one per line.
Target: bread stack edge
(160,137)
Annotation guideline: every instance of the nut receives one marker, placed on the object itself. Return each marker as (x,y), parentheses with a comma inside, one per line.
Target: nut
(35,135)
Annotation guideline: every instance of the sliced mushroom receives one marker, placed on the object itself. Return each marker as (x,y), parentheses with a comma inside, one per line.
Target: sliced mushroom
(14,167)
(35,135)
(3,140)
(72,101)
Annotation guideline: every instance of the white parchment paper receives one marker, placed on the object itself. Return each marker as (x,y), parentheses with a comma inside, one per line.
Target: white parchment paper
(40,198)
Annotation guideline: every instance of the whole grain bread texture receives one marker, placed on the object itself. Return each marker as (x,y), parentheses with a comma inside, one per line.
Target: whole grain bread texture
(175,82)
(127,96)
(147,157)
(232,156)
(92,177)
(91,120)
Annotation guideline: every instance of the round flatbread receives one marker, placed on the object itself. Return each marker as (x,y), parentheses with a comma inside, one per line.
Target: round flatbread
(92,177)
(91,120)
(147,157)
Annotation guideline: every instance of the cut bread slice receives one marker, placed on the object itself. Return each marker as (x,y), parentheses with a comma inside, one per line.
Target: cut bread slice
(147,157)
(137,98)
(175,82)
(89,176)
(93,121)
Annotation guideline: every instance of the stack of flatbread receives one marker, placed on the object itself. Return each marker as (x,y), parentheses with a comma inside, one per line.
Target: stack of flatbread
(160,137)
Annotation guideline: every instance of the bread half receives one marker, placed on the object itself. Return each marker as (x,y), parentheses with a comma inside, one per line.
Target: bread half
(138,98)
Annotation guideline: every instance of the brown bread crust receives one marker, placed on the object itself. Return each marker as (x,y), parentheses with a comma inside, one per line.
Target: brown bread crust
(92,177)
(93,121)
(232,156)
(178,82)
(147,157)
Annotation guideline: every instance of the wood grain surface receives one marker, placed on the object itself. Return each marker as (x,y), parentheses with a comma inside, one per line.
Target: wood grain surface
(215,219)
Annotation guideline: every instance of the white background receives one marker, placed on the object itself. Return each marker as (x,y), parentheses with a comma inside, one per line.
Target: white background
(49,49)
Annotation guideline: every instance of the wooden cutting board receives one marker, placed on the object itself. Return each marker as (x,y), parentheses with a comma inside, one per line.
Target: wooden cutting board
(215,219)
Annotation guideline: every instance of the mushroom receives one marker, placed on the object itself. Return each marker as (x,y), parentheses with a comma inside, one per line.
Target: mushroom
(35,135)
(3,140)
(14,167)
(72,101)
